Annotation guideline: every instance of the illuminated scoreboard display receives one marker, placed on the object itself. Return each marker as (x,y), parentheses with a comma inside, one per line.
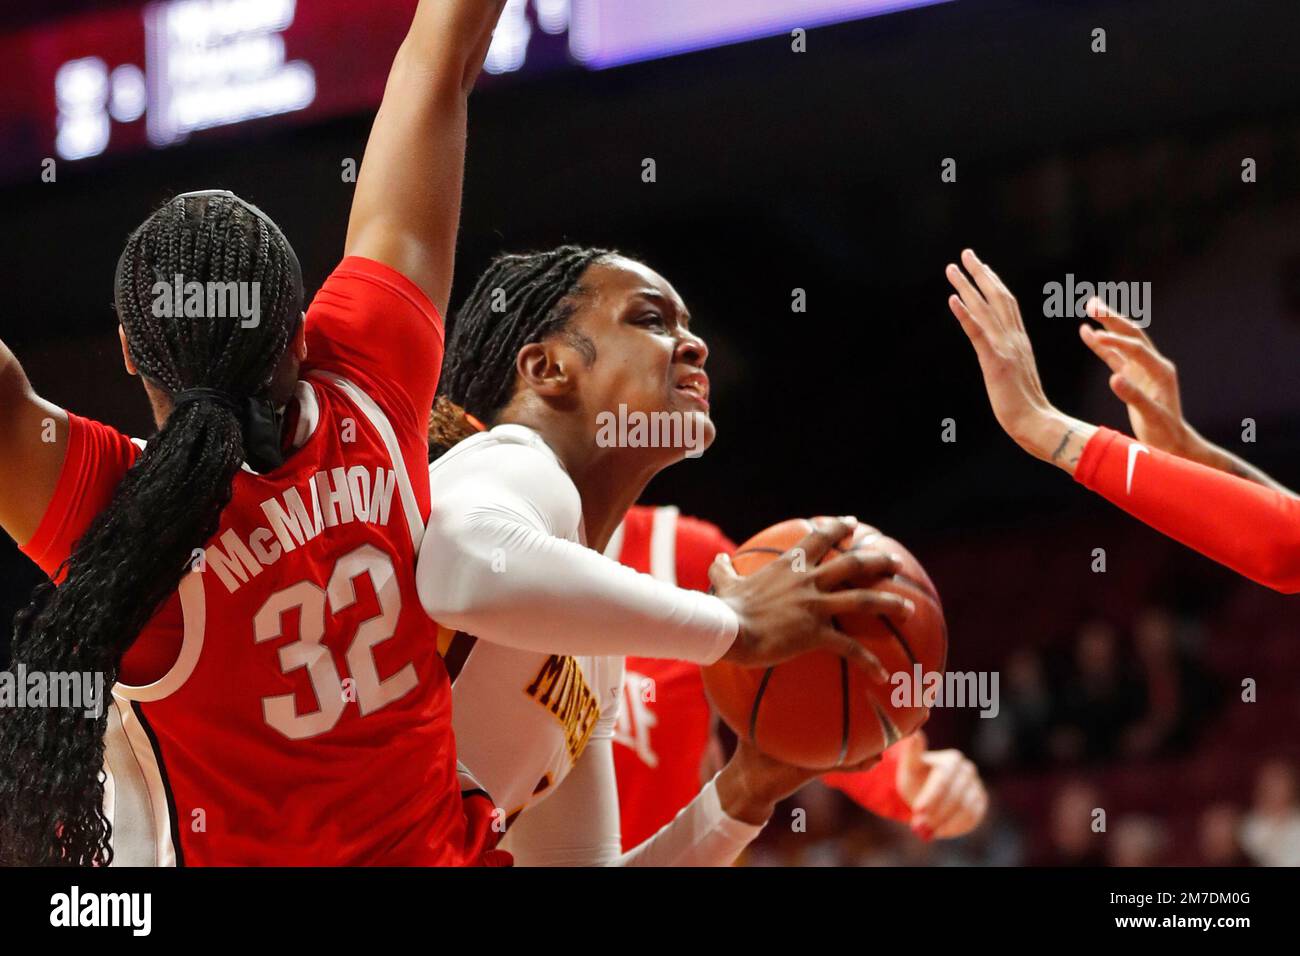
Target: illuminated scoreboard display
(154,75)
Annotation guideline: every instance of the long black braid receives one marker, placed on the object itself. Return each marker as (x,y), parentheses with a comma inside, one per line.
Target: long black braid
(169,503)
(519,300)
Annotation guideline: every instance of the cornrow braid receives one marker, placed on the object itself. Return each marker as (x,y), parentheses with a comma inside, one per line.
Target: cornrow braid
(519,300)
(135,551)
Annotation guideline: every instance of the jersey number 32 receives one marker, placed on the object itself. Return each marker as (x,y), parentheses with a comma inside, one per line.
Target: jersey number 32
(370,692)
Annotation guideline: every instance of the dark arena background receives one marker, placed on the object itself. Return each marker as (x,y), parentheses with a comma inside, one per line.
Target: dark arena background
(1135,676)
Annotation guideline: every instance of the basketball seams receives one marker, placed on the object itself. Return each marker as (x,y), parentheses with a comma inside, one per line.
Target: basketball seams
(758,699)
(888,729)
(863,717)
(898,636)
(845,710)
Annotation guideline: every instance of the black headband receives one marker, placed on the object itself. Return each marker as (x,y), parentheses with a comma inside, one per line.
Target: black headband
(258,420)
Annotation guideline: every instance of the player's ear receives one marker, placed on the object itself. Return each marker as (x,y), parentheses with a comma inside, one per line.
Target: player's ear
(547,367)
(126,353)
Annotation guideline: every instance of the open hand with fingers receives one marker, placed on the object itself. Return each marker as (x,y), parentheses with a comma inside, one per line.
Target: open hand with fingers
(990,317)
(1144,380)
(943,788)
(787,607)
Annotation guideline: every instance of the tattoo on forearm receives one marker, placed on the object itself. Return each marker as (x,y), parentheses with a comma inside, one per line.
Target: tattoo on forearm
(1065,440)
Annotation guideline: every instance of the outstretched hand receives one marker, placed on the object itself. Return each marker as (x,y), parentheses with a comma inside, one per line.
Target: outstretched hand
(990,317)
(1143,379)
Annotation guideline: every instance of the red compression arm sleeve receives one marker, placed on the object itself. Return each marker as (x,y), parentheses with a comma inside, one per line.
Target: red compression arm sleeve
(1252,529)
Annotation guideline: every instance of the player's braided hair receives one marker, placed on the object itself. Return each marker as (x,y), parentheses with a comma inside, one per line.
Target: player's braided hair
(519,300)
(169,503)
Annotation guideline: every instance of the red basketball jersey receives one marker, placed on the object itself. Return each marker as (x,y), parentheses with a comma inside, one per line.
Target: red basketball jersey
(288,705)
(665,724)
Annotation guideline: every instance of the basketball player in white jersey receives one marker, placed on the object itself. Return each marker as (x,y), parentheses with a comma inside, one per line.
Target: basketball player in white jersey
(545,346)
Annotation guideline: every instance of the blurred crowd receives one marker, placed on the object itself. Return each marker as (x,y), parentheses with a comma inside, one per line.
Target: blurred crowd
(1264,833)
(1103,701)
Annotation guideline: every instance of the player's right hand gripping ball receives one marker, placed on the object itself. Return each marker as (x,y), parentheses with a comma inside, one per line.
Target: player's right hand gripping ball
(818,710)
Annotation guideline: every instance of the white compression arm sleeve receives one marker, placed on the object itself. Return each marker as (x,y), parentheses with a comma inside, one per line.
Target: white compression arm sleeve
(496,563)
(578,825)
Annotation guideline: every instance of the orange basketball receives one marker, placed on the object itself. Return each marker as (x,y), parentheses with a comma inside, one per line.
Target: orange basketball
(818,710)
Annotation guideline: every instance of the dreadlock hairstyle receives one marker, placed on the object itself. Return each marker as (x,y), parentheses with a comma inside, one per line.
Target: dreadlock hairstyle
(519,300)
(135,551)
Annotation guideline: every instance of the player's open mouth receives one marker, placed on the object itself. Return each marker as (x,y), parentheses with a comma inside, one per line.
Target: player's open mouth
(696,385)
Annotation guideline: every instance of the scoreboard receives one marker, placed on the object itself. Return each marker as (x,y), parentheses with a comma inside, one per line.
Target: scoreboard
(138,76)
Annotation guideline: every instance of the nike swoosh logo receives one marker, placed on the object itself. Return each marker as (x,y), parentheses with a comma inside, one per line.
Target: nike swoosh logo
(1133,451)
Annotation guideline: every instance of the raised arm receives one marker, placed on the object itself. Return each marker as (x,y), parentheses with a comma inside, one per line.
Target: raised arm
(407,206)
(1251,527)
(33,444)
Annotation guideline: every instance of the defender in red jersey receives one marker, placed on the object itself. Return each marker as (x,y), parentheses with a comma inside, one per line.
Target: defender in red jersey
(245,579)
(309,580)
(1170,478)
(666,727)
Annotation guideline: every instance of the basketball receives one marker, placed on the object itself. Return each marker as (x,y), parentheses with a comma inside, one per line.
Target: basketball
(818,710)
